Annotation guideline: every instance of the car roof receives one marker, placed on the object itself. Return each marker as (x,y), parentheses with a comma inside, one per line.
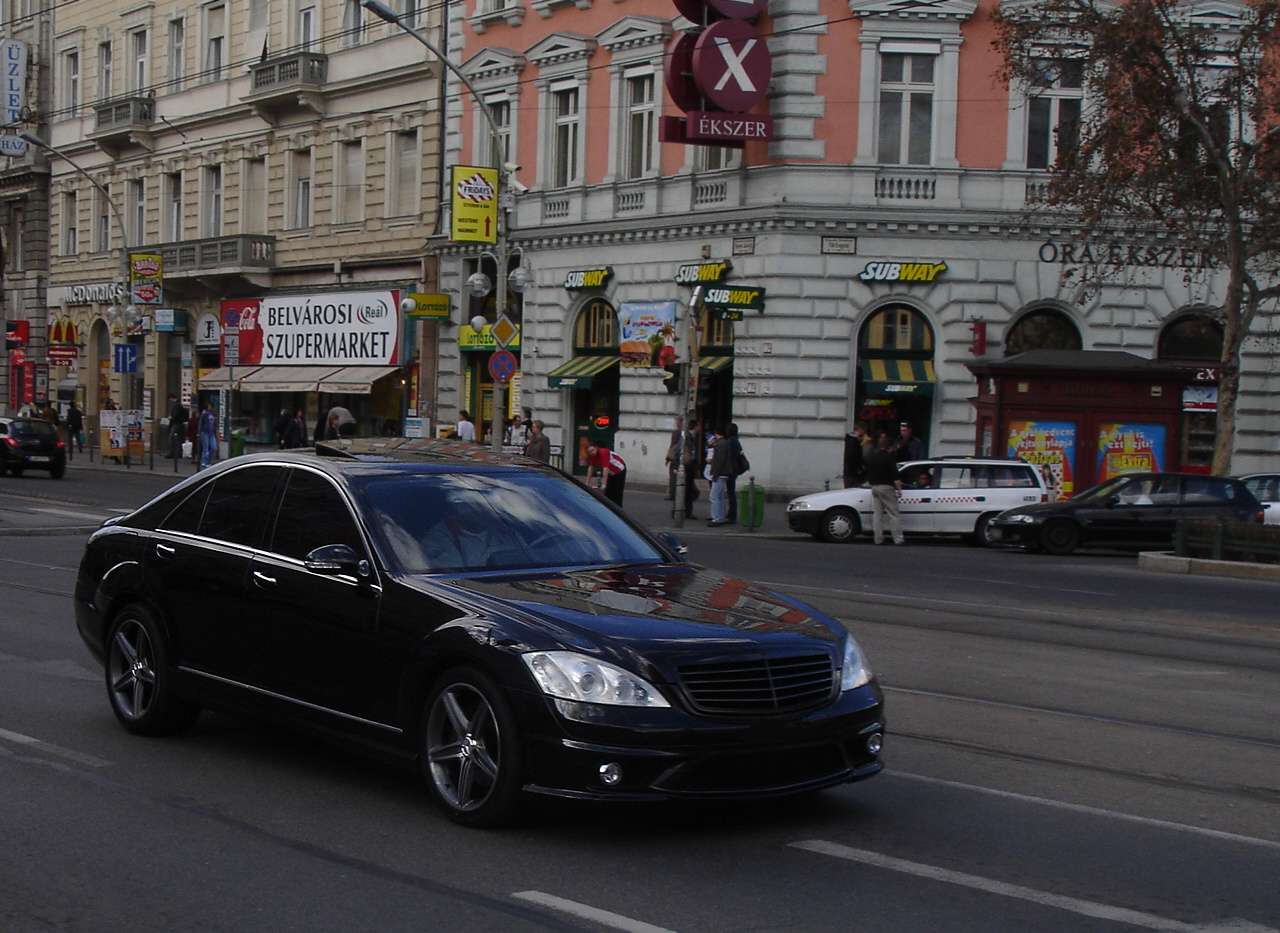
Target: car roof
(350,455)
(967,461)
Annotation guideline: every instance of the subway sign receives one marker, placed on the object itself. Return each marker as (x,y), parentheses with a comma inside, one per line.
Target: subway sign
(701,273)
(902,271)
(728,302)
(588,278)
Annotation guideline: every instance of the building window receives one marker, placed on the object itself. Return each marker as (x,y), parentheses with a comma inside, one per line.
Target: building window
(300,164)
(71,81)
(906,108)
(259,14)
(213,201)
(171,224)
(138,49)
(177,53)
(500,110)
(567,126)
(1042,329)
(137,208)
(70,220)
(17,240)
(106,70)
(1053,112)
(253,196)
(306,27)
(102,221)
(897,328)
(350,203)
(715,158)
(642,114)
(1192,338)
(215,42)
(597,327)
(402,200)
(352,22)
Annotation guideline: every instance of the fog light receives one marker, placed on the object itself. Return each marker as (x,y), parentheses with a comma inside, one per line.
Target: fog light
(874,742)
(610,774)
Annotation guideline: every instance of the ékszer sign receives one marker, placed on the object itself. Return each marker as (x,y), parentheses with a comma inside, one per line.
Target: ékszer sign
(717,73)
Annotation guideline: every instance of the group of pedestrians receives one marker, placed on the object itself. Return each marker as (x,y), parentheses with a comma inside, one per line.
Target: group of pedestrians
(716,457)
(874,462)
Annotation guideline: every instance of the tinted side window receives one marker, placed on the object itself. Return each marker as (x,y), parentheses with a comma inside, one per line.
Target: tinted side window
(313,514)
(1199,490)
(186,517)
(955,477)
(1012,477)
(238,504)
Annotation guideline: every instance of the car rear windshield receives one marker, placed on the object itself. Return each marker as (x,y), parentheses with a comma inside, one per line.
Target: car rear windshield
(33,429)
(459,522)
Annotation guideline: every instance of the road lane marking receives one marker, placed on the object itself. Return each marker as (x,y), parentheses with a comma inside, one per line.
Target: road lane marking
(1090,811)
(605,917)
(1019,892)
(17,738)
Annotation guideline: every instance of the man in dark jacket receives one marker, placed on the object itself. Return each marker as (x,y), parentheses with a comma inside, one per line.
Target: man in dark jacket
(855,465)
(178,416)
(886,487)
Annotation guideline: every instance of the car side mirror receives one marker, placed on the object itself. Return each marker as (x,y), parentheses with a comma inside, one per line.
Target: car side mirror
(337,558)
(1112,501)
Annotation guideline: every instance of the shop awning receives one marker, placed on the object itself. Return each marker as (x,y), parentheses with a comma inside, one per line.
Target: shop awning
(226,377)
(356,378)
(286,378)
(715,364)
(898,377)
(578,372)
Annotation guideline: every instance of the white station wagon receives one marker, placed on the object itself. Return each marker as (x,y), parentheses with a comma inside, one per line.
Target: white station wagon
(939,497)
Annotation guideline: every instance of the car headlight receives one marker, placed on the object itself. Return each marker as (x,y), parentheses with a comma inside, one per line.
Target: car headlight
(855,672)
(796,505)
(1021,519)
(568,675)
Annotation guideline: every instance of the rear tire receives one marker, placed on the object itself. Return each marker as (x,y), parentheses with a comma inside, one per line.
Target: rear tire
(15,469)
(57,472)
(1059,537)
(840,525)
(139,680)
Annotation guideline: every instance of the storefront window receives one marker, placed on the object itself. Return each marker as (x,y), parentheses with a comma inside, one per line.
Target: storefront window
(1043,329)
(597,327)
(1191,337)
(897,328)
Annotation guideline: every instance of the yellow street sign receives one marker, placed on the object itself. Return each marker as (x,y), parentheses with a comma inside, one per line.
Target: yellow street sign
(475,204)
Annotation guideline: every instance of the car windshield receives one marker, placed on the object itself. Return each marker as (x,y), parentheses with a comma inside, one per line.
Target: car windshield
(33,429)
(461,522)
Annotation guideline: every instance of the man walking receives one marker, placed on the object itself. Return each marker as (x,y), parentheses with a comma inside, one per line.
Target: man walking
(208,435)
(177,426)
(886,487)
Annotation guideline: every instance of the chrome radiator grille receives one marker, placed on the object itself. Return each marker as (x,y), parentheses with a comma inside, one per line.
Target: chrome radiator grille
(759,686)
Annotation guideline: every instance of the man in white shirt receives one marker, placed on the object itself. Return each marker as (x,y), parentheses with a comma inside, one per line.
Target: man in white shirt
(466,431)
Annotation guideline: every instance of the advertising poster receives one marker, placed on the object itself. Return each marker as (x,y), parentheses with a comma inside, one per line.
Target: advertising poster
(474,200)
(648,333)
(337,329)
(1129,448)
(1051,445)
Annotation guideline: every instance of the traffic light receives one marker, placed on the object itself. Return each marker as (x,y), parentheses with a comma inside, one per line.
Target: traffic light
(673,382)
(704,387)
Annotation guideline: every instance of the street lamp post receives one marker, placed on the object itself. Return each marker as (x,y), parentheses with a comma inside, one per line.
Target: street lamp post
(500,254)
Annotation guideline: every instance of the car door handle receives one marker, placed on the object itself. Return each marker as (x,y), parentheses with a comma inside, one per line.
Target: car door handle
(164,551)
(979,498)
(262,580)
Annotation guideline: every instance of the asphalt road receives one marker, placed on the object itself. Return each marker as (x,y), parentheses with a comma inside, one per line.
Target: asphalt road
(1074,745)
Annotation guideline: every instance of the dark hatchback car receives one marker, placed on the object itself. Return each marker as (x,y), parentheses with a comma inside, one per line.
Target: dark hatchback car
(484,618)
(31,444)
(1134,510)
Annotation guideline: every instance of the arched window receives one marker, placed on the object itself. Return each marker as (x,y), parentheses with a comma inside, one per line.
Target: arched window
(1042,329)
(896,329)
(1196,336)
(597,327)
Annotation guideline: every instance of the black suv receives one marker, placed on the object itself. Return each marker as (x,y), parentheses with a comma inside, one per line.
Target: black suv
(31,444)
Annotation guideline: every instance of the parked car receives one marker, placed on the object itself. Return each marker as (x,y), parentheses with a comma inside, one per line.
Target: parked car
(31,444)
(942,496)
(1134,510)
(1266,487)
(482,617)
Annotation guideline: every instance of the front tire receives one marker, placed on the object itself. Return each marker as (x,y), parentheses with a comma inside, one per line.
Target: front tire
(470,750)
(1059,537)
(983,534)
(139,682)
(840,525)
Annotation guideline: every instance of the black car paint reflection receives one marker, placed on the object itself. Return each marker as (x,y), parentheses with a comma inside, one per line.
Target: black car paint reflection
(559,649)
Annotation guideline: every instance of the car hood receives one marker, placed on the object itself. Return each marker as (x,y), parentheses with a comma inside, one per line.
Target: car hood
(853,496)
(1041,510)
(659,614)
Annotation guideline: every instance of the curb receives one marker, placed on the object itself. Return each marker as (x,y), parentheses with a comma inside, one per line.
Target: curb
(1167,562)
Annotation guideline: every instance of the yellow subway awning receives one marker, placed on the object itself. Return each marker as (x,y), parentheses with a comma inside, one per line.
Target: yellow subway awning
(897,376)
(578,372)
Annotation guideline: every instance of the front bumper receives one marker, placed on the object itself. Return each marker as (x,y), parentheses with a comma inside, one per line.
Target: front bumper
(666,754)
(805,521)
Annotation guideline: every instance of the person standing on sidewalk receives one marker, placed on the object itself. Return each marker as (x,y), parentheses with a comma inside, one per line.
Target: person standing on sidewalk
(75,428)
(721,468)
(208,435)
(178,416)
(886,487)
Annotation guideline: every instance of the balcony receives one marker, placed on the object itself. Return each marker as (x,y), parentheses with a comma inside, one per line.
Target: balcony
(231,266)
(289,83)
(124,122)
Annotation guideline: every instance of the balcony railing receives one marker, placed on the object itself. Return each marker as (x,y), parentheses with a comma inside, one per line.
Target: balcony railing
(215,255)
(289,82)
(124,121)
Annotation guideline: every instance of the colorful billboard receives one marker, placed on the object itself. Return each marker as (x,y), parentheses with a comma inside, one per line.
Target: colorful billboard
(1052,446)
(336,329)
(1130,448)
(648,333)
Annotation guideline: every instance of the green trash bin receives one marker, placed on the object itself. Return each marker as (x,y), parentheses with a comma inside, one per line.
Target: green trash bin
(236,447)
(751,506)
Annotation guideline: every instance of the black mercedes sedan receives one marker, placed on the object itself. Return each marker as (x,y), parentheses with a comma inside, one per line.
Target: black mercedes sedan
(484,618)
(1133,510)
